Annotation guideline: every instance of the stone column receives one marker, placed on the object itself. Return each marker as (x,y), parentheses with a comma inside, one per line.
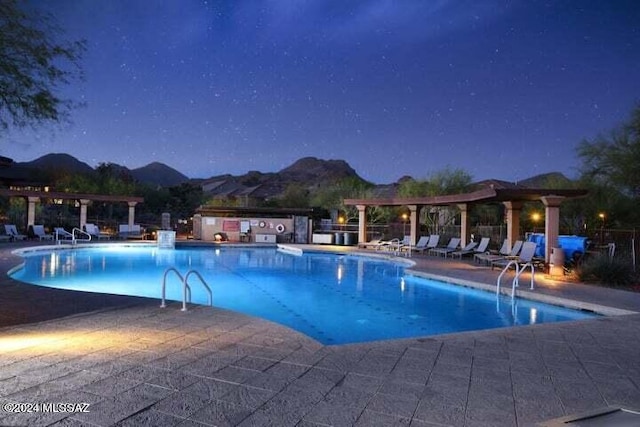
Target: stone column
(83,212)
(551,223)
(132,214)
(362,223)
(513,221)
(465,234)
(414,223)
(31,210)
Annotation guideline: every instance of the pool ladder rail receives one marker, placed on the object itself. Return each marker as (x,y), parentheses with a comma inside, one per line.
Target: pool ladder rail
(516,280)
(80,232)
(186,289)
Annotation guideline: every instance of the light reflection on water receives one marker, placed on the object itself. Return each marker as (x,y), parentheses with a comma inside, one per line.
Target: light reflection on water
(333,298)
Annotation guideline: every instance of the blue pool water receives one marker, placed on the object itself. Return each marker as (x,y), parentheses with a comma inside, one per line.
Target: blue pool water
(335,299)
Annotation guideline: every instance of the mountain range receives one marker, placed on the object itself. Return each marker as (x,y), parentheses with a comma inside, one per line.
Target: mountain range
(308,172)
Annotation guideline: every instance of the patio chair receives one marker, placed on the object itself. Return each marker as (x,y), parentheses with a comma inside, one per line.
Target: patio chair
(133,232)
(393,244)
(37,231)
(468,249)
(62,234)
(504,253)
(373,243)
(526,255)
(434,239)
(12,232)
(484,257)
(481,248)
(423,241)
(454,242)
(95,232)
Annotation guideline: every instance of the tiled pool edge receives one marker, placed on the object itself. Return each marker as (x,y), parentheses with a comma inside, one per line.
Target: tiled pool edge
(533,296)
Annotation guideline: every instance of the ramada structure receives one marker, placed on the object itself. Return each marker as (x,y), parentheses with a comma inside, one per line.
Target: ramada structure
(511,198)
(34,197)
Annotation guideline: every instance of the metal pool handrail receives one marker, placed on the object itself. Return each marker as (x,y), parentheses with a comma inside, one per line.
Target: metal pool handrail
(199,276)
(516,279)
(186,289)
(74,239)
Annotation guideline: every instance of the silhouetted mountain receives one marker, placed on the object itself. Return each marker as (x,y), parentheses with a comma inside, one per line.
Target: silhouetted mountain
(308,172)
(50,166)
(547,180)
(158,174)
(58,162)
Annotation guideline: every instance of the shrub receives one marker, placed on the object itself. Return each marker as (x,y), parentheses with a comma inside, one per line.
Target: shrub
(615,272)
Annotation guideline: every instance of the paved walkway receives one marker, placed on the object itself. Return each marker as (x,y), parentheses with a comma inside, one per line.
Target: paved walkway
(136,364)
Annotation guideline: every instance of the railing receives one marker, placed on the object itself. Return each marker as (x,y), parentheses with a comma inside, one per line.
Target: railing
(74,239)
(516,280)
(504,270)
(186,289)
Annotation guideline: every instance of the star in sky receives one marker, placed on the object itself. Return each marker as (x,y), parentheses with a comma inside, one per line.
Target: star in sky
(501,89)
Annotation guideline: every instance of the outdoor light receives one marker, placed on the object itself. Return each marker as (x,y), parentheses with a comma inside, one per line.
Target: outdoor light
(535,217)
(404,223)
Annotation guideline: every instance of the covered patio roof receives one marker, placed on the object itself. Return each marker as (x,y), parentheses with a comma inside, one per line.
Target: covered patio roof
(511,196)
(484,195)
(33,197)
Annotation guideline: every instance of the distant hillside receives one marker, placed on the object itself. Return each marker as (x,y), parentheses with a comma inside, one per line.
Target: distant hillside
(58,162)
(547,180)
(158,174)
(50,166)
(308,172)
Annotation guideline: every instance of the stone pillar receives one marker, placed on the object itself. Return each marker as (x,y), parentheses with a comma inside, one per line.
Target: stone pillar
(414,223)
(83,212)
(31,210)
(362,223)
(513,221)
(551,223)
(465,231)
(132,214)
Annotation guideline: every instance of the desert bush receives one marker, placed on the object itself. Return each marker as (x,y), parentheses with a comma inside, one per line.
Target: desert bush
(615,272)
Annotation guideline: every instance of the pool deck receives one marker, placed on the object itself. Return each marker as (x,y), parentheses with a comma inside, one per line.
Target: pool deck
(136,364)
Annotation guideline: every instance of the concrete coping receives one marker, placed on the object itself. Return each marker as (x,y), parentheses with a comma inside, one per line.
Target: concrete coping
(527,294)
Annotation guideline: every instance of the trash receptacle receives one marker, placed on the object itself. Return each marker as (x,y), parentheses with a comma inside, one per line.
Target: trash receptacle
(348,239)
(338,238)
(556,262)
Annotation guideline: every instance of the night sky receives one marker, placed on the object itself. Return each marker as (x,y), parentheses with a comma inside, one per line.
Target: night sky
(501,89)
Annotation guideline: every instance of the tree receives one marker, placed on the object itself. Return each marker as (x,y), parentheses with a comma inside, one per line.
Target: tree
(615,159)
(34,63)
(442,182)
(294,196)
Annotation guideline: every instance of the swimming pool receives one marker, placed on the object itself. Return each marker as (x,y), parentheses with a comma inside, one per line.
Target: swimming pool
(335,299)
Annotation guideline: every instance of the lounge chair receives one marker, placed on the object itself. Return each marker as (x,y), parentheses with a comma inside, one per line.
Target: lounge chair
(504,253)
(467,249)
(373,243)
(95,232)
(423,241)
(479,249)
(62,234)
(37,231)
(434,239)
(525,257)
(487,257)
(12,232)
(393,244)
(454,242)
(133,232)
